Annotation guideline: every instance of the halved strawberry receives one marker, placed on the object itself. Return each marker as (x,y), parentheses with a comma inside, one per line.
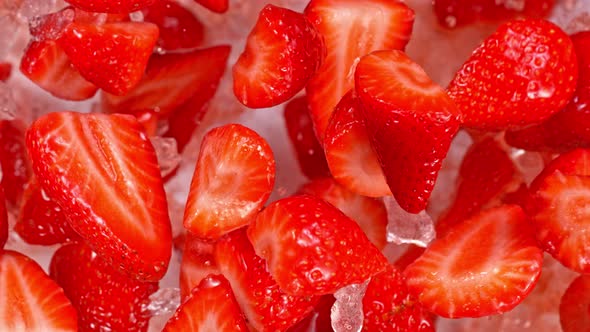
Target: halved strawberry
(233,178)
(486,265)
(520,75)
(103,172)
(197,263)
(351,29)
(15,163)
(29,299)
(179,28)
(217,6)
(211,307)
(312,248)
(105,299)
(410,121)
(111,6)
(574,309)
(349,153)
(5,71)
(282,53)
(369,213)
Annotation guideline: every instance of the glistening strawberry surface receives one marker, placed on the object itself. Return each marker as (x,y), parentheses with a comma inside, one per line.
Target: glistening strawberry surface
(574,309)
(16,166)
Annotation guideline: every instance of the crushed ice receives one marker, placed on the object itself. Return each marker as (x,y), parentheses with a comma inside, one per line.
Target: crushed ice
(404,227)
(347,312)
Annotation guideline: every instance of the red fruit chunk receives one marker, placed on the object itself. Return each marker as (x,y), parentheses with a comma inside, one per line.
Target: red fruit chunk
(233,178)
(312,248)
(486,265)
(351,29)
(197,263)
(410,121)
(3,220)
(574,309)
(522,74)
(111,6)
(212,307)
(29,299)
(266,306)
(179,28)
(282,52)
(310,153)
(217,6)
(103,172)
(319,319)
(351,158)
(15,163)
(5,71)
(387,305)
(104,298)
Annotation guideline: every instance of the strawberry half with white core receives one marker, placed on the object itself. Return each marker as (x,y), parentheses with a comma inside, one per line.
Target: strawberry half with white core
(410,120)
(486,265)
(351,29)
(574,309)
(30,300)
(282,52)
(312,248)
(233,178)
(103,172)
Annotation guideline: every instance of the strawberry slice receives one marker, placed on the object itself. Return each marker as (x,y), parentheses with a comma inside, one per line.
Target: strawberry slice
(233,178)
(410,121)
(113,56)
(312,248)
(369,213)
(111,6)
(212,307)
(486,265)
(16,167)
(197,263)
(267,308)
(5,71)
(103,172)
(29,299)
(105,299)
(282,52)
(520,75)
(217,6)
(3,220)
(574,309)
(351,29)
(349,153)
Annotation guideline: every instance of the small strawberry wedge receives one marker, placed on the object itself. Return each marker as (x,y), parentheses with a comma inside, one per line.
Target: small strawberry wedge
(351,29)
(574,309)
(410,121)
(103,172)
(111,6)
(486,265)
(30,300)
(233,178)
(282,53)
(312,248)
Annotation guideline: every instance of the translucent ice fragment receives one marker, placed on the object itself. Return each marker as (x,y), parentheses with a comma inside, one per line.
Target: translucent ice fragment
(32,8)
(164,301)
(528,163)
(347,312)
(167,152)
(404,227)
(7,103)
(579,23)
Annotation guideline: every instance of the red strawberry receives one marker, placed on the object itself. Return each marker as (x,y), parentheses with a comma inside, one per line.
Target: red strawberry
(179,28)
(520,75)
(5,71)
(149,121)
(267,308)
(387,305)
(102,171)
(212,307)
(310,153)
(486,265)
(16,167)
(111,6)
(217,6)
(369,213)
(312,248)
(105,299)
(410,121)
(574,309)
(282,52)
(3,220)
(233,178)
(29,299)
(351,29)
(197,263)
(319,319)
(409,256)
(349,153)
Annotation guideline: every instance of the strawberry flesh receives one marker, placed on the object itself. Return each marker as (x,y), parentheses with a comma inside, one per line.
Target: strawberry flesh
(3,220)
(15,163)
(5,71)
(216,6)
(197,263)
(111,6)
(574,309)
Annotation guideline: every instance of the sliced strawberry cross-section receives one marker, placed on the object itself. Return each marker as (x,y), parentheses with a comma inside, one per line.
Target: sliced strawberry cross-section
(574,309)
(111,6)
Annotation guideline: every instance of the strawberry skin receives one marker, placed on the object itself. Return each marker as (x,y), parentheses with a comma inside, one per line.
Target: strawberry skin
(217,6)
(16,167)
(111,6)
(574,309)
(3,220)
(103,172)
(282,52)
(312,248)
(5,71)
(410,121)
(197,263)
(520,75)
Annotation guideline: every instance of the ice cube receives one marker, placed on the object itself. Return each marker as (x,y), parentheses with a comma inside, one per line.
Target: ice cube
(7,103)
(347,312)
(528,163)
(167,153)
(32,8)
(404,227)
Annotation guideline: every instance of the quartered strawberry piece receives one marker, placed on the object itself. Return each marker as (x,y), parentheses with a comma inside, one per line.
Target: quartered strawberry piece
(179,28)
(574,309)
(351,29)
(197,263)
(104,298)
(312,248)
(217,6)
(266,306)
(111,6)
(15,163)
(282,53)
(351,158)
(233,178)
(211,307)
(3,220)
(5,71)
(522,74)
(369,213)
(319,319)
(103,172)
(30,300)
(486,265)
(309,151)
(410,121)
